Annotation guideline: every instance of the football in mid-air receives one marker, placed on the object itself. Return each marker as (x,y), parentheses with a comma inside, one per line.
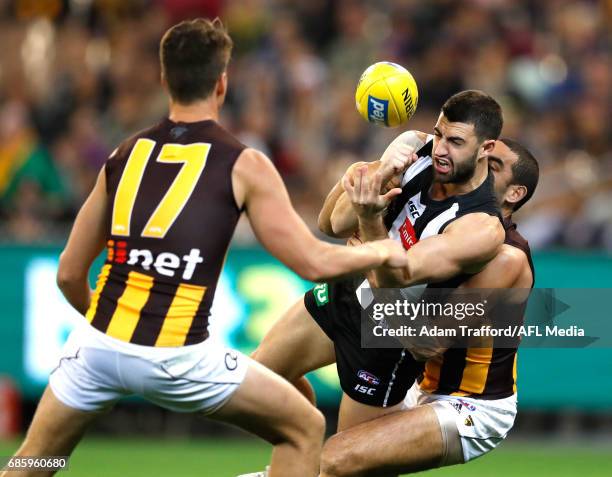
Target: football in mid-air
(386,94)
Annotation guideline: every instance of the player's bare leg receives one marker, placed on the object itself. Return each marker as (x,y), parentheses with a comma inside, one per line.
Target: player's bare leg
(353,413)
(270,407)
(55,431)
(294,346)
(397,443)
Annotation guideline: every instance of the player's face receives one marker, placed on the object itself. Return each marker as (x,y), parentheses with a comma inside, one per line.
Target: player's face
(501,160)
(455,151)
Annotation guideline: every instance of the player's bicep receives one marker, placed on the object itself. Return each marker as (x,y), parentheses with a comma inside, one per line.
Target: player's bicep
(274,221)
(501,272)
(459,249)
(88,234)
(324,219)
(505,271)
(474,240)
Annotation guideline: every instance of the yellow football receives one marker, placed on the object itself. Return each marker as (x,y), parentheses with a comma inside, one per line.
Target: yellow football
(386,94)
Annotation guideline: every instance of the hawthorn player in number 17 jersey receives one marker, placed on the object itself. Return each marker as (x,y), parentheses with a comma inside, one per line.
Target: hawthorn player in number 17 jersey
(172,216)
(165,205)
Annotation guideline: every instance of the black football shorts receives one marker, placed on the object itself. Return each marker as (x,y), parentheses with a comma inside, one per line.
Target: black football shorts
(374,376)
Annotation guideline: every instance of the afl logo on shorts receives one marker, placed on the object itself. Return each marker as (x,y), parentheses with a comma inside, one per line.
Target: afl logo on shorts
(469,406)
(368,377)
(231,361)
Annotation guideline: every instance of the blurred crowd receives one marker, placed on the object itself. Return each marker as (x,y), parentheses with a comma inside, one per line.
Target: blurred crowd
(79,76)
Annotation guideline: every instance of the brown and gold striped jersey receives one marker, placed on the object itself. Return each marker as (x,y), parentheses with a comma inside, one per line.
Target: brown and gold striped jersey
(485,373)
(171,218)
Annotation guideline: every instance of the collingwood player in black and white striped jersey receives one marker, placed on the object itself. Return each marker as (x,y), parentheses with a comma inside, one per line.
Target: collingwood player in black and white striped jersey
(446,193)
(464,403)
(472,413)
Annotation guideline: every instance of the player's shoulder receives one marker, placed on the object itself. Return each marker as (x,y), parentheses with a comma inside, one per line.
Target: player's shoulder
(221,136)
(511,257)
(253,173)
(252,158)
(123,150)
(515,265)
(253,166)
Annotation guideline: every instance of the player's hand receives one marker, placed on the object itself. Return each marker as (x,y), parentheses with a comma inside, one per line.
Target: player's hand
(396,159)
(365,194)
(393,252)
(352,171)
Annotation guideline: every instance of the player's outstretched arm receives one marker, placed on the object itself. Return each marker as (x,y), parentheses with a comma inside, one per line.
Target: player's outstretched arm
(85,243)
(278,227)
(465,246)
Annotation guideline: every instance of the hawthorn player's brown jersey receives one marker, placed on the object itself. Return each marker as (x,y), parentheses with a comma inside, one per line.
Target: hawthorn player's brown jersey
(485,373)
(171,217)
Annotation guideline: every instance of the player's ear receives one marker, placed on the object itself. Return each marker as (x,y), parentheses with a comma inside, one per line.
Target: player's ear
(487,146)
(515,193)
(221,88)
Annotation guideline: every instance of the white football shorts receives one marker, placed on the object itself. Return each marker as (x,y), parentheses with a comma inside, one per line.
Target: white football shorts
(96,370)
(481,424)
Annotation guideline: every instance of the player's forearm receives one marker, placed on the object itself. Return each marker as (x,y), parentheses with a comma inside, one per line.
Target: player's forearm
(374,229)
(76,292)
(72,280)
(466,246)
(343,219)
(324,220)
(334,261)
(428,261)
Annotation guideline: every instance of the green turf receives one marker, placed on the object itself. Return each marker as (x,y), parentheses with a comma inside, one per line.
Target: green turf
(97,457)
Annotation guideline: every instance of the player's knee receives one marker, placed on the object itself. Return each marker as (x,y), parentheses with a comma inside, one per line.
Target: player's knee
(318,424)
(309,430)
(338,458)
(263,356)
(315,425)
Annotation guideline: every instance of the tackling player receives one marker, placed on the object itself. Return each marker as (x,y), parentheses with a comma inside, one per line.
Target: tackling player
(166,204)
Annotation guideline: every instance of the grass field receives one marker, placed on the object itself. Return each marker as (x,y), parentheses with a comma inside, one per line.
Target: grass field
(97,457)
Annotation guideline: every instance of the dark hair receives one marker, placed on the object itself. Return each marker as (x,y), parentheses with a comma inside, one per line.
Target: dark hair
(525,171)
(477,108)
(193,55)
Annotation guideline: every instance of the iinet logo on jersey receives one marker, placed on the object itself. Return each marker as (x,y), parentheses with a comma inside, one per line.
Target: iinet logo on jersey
(165,263)
(407,234)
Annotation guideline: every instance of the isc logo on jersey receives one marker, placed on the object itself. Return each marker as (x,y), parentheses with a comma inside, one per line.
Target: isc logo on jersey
(378,110)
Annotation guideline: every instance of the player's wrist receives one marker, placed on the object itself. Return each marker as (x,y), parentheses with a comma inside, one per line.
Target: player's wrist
(371,217)
(381,251)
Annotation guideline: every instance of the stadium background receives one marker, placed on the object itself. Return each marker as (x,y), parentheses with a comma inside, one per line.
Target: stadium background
(78,76)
